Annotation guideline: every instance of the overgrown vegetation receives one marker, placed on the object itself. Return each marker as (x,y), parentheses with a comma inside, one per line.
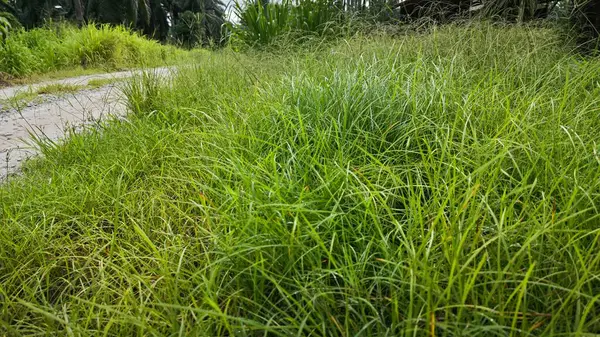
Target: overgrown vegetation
(42,50)
(193,23)
(154,18)
(439,184)
(586,22)
(261,23)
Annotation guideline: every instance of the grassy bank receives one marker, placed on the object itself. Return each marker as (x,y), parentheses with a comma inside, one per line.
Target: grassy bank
(442,184)
(66,48)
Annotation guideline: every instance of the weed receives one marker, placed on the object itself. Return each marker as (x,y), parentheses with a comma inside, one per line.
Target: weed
(97,83)
(263,23)
(59,89)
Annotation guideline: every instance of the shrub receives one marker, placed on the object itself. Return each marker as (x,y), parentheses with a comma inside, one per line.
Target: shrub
(189,29)
(315,16)
(61,46)
(261,23)
(16,59)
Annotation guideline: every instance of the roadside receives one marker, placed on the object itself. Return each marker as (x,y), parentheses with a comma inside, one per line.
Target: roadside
(8,92)
(51,116)
(8,81)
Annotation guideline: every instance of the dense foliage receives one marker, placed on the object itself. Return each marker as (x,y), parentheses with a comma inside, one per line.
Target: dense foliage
(203,22)
(439,183)
(261,22)
(43,50)
(153,17)
(198,29)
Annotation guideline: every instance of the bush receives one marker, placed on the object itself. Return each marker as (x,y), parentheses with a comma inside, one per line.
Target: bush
(315,16)
(262,23)
(189,30)
(16,58)
(58,47)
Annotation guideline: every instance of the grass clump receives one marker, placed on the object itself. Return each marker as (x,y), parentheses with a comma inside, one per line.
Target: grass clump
(59,89)
(101,82)
(441,184)
(51,49)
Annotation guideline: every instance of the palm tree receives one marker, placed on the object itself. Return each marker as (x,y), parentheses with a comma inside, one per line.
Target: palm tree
(5,24)
(212,15)
(79,11)
(158,23)
(35,12)
(7,7)
(31,12)
(150,16)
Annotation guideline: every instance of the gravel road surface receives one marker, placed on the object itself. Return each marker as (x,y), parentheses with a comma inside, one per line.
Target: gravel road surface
(51,116)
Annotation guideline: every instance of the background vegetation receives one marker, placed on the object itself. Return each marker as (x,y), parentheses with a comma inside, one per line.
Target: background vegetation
(154,18)
(192,23)
(59,47)
(202,22)
(262,22)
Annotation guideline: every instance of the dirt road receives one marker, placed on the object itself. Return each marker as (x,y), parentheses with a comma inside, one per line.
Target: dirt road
(53,115)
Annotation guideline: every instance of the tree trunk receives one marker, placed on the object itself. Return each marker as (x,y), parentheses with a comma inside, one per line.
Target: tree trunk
(78,7)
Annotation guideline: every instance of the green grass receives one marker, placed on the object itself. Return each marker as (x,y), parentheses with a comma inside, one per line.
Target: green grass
(441,184)
(59,89)
(98,83)
(63,48)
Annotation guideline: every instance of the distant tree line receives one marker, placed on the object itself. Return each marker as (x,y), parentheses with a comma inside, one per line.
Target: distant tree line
(191,21)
